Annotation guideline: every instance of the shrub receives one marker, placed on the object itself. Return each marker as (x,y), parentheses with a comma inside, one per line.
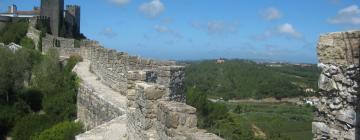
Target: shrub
(33,98)
(27,43)
(13,32)
(61,131)
(30,125)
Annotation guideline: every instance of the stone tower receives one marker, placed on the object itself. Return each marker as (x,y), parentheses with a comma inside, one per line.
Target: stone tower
(54,9)
(337,114)
(72,20)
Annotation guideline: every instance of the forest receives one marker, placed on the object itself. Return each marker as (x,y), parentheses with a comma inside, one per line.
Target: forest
(37,92)
(243,79)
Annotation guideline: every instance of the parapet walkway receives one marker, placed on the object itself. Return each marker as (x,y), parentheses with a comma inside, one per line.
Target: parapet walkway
(114,129)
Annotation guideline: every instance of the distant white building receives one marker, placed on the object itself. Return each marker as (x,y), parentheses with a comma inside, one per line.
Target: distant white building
(220,61)
(313,101)
(13,12)
(12,46)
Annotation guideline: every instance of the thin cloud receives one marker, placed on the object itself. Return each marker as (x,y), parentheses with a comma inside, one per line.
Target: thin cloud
(288,30)
(152,9)
(349,15)
(285,30)
(166,30)
(216,27)
(271,13)
(120,2)
(108,32)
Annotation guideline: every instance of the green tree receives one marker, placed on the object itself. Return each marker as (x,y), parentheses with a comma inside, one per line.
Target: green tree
(61,131)
(30,125)
(27,43)
(58,85)
(33,98)
(6,80)
(14,32)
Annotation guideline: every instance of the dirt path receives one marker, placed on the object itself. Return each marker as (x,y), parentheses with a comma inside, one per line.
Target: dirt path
(116,128)
(258,133)
(82,70)
(296,100)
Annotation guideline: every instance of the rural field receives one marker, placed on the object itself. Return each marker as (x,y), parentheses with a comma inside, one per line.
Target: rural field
(242,99)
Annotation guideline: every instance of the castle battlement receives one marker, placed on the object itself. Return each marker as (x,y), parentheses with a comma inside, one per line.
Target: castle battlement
(42,18)
(72,6)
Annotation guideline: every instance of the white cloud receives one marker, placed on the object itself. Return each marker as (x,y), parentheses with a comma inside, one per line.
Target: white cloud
(271,13)
(166,30)
(349,15)
(152,9)
(162,29)
(121,2)
(353,9)
(216,27)
(285,30)
(108,32)
(288,29)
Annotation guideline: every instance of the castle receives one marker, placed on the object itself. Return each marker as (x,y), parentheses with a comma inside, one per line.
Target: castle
(64,23)
(132,98)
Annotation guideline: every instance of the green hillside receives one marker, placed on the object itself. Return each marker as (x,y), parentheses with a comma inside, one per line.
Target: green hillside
(239,79)
(242,79)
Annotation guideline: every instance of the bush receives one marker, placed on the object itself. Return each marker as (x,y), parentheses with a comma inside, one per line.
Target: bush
(13,32)
(61,131)
(30,125)
(27,43)
(8,115)
(61,106)
(33,98)
(58,85)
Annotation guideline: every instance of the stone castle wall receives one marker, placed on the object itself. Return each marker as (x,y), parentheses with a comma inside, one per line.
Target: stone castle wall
(336,116)
(149,86)
(93,109)
(154,91)
(146,100)
(33,33)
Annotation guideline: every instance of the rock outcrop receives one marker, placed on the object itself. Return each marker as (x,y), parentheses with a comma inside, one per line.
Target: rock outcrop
(336,116)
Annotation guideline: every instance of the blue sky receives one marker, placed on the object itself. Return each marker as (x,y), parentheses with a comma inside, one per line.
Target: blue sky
(281,30)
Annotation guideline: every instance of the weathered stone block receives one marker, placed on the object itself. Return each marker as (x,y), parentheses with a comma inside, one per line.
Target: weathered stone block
(339,48)
(347,115)
(154,92)
(320,127)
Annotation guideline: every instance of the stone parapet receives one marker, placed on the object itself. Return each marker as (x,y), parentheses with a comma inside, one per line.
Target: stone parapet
(178,121)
